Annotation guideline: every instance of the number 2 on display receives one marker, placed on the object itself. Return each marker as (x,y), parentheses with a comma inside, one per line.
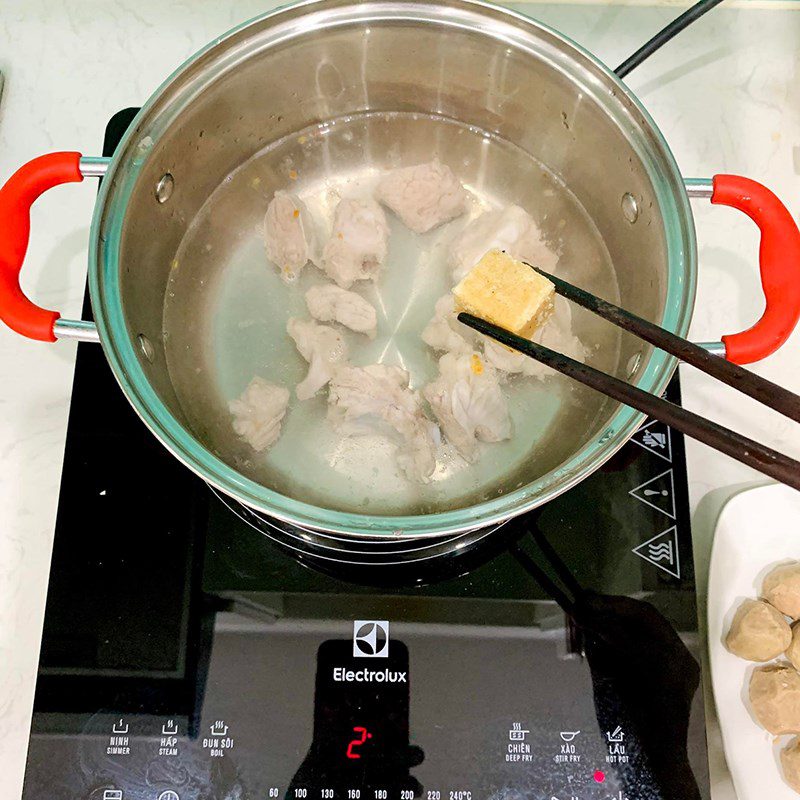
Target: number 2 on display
(363,735)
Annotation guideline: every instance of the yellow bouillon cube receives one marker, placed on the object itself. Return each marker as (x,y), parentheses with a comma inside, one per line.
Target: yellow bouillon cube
(506,292)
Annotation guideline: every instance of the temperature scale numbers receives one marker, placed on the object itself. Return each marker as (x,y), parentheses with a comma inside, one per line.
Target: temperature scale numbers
(328,793)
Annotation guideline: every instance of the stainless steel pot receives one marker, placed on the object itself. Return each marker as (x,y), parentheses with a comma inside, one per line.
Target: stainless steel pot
(312,62)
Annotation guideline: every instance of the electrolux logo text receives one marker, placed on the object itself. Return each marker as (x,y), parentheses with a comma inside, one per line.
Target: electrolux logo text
(342,675)
(371,638)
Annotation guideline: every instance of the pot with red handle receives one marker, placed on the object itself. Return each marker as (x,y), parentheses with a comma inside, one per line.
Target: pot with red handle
(299,77)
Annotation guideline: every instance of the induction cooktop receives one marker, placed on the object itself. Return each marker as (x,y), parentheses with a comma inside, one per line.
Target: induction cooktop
(191,652)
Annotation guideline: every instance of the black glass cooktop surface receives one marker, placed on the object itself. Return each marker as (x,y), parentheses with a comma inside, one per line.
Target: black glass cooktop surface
(188,656)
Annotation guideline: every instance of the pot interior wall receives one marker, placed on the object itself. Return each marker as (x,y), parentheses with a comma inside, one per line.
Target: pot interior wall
(277,77)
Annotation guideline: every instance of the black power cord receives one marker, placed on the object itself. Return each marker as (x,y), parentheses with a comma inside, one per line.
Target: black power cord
(664,35)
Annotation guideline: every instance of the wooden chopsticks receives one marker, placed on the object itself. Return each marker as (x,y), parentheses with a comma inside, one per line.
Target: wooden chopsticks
(772,463)
(766,392)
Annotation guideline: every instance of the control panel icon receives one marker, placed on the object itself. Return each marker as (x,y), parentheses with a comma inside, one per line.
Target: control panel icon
(120,726)
(568,736)
(219,728)
(169,728)
(169,794)
(517,733)
(616,736)
(112,794)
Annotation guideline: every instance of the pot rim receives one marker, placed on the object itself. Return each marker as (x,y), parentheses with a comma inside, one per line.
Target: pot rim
(119,348)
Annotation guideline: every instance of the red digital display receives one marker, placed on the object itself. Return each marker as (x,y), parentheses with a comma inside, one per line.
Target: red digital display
(363,735)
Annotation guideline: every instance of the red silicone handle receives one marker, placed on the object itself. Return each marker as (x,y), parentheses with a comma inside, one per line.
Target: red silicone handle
(779,259)
(16,199)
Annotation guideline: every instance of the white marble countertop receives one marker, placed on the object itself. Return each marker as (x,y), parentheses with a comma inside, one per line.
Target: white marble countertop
(726,101)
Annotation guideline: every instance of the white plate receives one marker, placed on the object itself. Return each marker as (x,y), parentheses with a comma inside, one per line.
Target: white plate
(756,530)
